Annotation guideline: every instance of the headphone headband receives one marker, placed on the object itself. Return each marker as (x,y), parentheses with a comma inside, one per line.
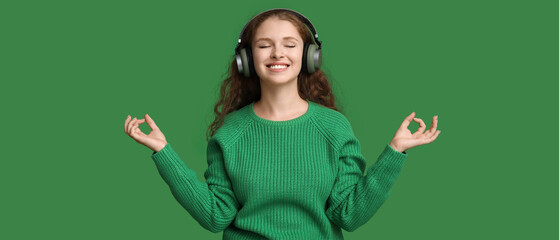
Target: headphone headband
(300,16)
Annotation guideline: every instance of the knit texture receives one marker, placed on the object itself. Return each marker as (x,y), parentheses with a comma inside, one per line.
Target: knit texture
(297,179)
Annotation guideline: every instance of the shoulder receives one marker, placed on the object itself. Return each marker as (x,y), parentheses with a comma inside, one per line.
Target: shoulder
(333,124)
(331,119)
(234,124)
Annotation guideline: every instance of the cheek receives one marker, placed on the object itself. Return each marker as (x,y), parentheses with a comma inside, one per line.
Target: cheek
(297,60)
(298,56)
(258,56)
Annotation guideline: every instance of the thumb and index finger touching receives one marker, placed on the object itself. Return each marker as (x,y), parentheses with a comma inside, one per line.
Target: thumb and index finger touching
(422,126)
(407,120)
(147,119)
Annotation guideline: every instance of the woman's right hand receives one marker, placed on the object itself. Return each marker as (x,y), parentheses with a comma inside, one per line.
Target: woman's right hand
(155,140)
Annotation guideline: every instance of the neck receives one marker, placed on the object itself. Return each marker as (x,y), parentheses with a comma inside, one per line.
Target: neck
(280,101)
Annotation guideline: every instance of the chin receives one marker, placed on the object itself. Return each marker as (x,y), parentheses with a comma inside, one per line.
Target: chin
(279,80)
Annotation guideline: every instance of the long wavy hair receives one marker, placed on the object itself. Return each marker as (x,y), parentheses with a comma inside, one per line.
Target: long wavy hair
(238,91)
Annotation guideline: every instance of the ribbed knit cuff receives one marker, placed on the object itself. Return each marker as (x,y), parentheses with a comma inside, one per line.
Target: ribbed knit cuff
(388,144)
(167,157)
(393,156)
(164,150)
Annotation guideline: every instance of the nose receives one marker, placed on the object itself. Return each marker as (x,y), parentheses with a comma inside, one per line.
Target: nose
(277,52)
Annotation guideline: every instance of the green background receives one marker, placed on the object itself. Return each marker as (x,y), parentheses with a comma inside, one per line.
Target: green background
(71,71)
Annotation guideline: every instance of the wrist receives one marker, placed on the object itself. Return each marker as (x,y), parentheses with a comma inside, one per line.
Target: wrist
(393,146)
(160,147)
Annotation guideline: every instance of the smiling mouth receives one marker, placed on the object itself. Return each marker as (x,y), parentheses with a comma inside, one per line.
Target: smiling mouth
(279,66)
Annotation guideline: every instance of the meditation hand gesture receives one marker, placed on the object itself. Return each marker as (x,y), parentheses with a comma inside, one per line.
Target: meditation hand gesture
(155,140)
(404,139)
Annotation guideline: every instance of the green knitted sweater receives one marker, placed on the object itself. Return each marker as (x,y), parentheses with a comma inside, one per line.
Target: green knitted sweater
(297,179)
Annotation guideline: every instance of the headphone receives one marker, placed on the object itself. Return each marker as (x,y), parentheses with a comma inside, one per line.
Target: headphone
(312,58)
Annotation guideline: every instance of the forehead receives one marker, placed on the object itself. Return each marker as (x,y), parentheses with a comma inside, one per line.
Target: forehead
(275,28)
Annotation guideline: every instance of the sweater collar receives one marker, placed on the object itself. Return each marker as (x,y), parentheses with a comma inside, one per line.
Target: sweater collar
(250,111)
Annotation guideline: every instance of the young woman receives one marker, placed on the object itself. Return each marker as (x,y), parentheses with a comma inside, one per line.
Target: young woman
(283,163)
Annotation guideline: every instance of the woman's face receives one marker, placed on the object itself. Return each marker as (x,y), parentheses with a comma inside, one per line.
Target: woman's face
(277,51)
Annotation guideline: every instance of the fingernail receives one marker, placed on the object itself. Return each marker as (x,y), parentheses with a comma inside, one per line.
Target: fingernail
(128,116)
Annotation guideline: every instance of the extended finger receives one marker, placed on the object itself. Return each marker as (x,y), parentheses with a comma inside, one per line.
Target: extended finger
(134,130)
(126,124)
(407,120)
(137,124)
(433,128)
(421,128)
(131,125)
(432,138)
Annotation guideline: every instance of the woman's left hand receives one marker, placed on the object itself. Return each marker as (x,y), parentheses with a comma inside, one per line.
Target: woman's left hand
(404,139)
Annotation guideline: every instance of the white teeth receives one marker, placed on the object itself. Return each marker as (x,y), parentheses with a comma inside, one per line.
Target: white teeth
(278,66)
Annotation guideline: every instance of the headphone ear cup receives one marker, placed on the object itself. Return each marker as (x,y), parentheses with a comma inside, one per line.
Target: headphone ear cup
(239,61)
(313,58)
(251,71)
(304,61)
(243,62)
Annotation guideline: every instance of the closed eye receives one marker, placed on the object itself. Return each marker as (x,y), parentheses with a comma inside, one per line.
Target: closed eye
(269,46)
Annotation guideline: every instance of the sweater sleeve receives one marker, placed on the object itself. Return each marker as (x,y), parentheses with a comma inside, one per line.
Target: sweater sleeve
(213,203)
(356,198)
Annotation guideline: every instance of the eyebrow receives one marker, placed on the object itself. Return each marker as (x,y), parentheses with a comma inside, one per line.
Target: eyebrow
(268,39)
